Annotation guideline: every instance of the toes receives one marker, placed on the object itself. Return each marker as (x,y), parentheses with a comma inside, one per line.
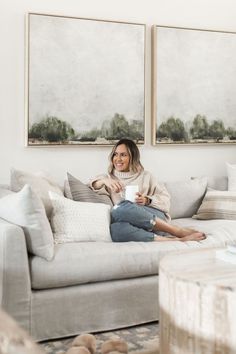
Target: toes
(196,236)
(201,237)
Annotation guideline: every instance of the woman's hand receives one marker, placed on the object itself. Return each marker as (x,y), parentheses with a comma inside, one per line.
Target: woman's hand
(141,199)
(109,183)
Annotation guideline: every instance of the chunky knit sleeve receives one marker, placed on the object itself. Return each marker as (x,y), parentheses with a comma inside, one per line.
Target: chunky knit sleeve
(103,189)
(157,193)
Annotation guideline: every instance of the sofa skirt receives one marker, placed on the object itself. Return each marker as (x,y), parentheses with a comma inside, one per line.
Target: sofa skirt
(93,307)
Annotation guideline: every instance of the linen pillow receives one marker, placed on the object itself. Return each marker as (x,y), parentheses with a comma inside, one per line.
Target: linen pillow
(40,184)
(82,193)
(186,196)
(25,209)
(79,221)
(217,205)
(231,171)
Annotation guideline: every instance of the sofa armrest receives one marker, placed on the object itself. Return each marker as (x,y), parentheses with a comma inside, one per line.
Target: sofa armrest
(15,284)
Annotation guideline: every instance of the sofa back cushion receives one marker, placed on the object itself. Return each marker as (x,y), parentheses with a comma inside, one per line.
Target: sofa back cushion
(40,184)
(4,192)
(231,172)
(219,183)
(186,196)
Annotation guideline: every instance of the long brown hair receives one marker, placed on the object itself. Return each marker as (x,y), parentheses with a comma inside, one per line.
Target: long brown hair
(134,155)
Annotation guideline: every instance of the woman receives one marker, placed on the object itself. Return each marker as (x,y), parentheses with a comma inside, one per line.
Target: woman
(147,218)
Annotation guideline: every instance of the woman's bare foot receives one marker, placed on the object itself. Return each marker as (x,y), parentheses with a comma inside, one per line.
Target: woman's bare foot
(195,236)
(183,232)
(172,229)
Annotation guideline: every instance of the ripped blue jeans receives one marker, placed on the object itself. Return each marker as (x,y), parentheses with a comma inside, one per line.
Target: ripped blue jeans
(133,222)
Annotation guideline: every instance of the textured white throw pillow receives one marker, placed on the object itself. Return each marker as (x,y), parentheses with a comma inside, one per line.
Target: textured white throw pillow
(25,209)
(40,184)
(74,221)
(231,171)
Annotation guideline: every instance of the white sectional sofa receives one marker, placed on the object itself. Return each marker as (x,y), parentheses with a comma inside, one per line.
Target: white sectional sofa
(97,286)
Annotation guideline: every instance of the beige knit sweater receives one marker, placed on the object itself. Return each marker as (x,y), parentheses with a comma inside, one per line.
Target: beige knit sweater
(148,186)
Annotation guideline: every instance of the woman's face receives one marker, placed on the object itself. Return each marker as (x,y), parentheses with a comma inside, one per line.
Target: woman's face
(121,159)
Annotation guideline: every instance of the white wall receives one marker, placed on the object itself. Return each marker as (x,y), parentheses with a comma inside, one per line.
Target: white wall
(167,162)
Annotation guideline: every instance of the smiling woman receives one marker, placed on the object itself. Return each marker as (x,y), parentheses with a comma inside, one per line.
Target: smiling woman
(121,159)
(146,218)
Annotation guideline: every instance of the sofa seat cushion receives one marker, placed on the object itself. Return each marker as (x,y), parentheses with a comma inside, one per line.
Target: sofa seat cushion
(87,262)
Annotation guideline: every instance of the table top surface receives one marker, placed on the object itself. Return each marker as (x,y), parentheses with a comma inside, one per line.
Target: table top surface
(200,266)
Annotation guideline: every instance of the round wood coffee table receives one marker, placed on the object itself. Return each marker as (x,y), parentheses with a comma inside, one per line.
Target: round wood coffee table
(197,295)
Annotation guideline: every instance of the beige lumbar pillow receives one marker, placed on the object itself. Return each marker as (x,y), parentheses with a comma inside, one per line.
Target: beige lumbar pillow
(217,205)
(26,209)
(40,184)
(73,221)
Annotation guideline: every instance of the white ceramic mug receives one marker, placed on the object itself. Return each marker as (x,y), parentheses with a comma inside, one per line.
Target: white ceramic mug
(130,193)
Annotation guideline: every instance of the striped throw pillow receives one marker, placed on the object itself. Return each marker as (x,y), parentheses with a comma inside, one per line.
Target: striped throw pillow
(217,205)
(82,193)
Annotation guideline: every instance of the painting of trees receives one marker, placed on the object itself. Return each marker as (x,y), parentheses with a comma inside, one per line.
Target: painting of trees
(173,129)
(55,130)
(193,86)
(88,90)
(51,129)
(200,130)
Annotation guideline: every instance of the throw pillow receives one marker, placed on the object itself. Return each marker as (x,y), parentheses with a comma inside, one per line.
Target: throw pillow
(79,221)
(25,209)
(40,184)
(82,193)
(186,196)
(67,192)
(217,205)
(231,171)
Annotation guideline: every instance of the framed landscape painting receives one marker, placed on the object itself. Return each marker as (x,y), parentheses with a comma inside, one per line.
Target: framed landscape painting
(193,86)
(85,81)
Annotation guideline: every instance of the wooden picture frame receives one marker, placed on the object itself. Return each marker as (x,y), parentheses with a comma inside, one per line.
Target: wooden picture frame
(85,81)
(193,86)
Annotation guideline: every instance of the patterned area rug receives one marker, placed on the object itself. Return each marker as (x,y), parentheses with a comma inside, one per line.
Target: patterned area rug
(143,339)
